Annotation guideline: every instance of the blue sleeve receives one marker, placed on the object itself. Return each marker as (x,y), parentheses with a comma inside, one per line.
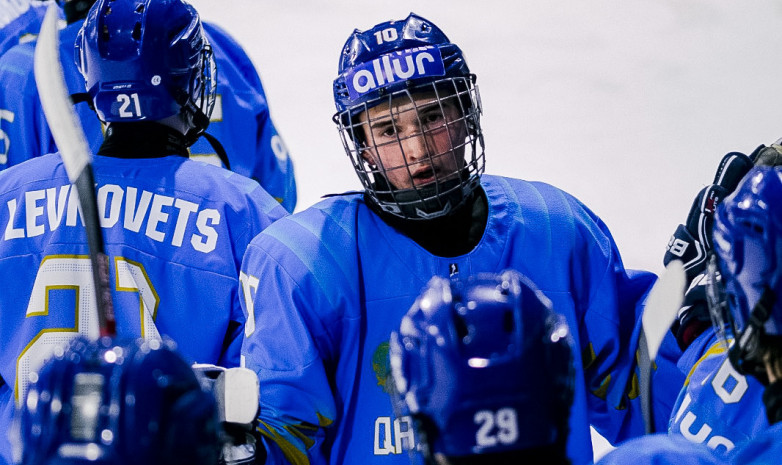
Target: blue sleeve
(717,406)
(285,344)
(260,212)
(24,131)
(21,28)
(610,301)
(571,255)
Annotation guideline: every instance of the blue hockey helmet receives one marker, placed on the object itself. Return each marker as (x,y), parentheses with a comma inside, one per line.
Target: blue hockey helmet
(147,60)
(484,366)
(105,403)
(744,281)
(389,63)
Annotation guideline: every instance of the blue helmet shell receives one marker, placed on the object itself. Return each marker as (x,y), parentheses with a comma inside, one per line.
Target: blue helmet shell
(488,349)
(108,403)
(393,56)
(748,244)
(146,60)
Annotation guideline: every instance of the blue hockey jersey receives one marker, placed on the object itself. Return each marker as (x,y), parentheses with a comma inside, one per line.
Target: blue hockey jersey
(325,287)
(242,123)
(175,231)
(765,448)
(240,120)
(660,449)
(717,406)
(20,21)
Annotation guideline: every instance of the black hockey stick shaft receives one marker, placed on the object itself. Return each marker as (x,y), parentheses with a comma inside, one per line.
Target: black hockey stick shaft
(77,158)
(85,188)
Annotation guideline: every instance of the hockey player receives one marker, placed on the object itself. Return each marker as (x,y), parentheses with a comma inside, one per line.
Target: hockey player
(484,368)
(174,229)
(718,406)
(106,403)
(241,121)
(739,290)
(743,294)
(20,21)
(324,288)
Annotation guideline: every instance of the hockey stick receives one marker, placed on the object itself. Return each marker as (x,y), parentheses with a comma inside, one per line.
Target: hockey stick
(662,306)
(75,153)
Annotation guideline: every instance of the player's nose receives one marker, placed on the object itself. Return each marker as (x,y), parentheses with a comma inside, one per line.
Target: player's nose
(416,147)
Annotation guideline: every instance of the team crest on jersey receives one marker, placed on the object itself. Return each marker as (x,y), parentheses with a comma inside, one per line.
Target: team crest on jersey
(392,67)
(381,366)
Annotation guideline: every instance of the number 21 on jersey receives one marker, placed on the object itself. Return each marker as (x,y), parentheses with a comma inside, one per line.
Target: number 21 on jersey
(73,273)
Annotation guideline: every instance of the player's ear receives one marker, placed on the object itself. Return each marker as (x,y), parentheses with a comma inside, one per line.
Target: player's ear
(368,154)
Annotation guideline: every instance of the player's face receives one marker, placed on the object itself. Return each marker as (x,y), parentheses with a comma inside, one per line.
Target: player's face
(415,140)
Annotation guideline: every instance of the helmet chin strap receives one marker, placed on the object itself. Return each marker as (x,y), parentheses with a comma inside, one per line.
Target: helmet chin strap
(746,354)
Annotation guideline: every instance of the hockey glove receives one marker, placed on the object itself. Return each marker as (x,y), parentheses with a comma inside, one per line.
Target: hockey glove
(691,241)
(768,156)
(694,317)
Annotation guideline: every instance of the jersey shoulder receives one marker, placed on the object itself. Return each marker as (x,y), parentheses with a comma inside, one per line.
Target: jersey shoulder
(540,205)
(48,168)
(216,183)
(20,22)
(660,449)
(335,214)
(764,448)
(530,193)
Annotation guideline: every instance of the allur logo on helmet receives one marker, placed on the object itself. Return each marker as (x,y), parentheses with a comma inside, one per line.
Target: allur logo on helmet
(396,66)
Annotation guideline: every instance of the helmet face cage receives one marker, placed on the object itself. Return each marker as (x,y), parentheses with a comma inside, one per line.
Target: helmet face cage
(488,349)
(200,101)
(721,318)
(448,109)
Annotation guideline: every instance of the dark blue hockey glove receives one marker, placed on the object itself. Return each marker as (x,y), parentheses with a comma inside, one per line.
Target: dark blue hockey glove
(693,318)
(691,241)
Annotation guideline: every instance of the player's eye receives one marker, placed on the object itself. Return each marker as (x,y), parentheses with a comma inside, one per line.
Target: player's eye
(430,119)
(388,131)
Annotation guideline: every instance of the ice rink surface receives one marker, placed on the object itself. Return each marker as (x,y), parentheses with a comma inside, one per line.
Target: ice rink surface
(627,104)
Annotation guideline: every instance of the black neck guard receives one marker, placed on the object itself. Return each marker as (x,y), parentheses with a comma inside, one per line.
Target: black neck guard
(76,10)
(144,139)
(454,234)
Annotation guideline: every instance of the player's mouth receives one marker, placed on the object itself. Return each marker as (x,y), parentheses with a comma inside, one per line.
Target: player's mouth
(425,176)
